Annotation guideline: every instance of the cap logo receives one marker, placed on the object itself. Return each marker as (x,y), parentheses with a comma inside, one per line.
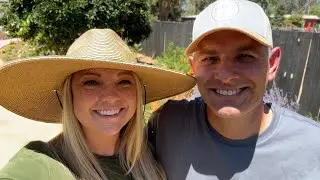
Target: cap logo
(224,10)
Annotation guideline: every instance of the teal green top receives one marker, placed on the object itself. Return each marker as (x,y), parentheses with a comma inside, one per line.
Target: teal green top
(38,161)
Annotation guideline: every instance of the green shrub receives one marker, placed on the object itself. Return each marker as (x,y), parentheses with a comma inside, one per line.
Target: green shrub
(278,19)
(173,58)
(295,19)
(315,10)
(54,25)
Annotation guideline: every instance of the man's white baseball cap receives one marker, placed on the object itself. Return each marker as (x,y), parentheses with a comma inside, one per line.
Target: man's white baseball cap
(238,15)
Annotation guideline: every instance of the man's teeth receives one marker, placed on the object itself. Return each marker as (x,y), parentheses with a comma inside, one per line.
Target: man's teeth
(108,113)
(227,92)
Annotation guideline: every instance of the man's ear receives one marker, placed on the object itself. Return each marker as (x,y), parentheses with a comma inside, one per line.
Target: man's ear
(274,62)
(192,63)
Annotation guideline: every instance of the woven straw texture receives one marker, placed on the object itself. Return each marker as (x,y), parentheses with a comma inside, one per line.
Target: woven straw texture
(28,85)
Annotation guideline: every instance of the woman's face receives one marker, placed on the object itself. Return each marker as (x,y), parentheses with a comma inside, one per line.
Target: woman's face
(104,100)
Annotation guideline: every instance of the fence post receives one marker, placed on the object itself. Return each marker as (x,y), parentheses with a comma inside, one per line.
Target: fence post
(304,72)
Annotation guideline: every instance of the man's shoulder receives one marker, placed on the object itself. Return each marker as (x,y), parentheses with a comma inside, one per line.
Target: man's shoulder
(176,111)
(298,124)
(303,121)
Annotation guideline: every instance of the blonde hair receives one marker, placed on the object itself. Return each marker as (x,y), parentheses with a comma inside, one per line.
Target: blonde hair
(134,155)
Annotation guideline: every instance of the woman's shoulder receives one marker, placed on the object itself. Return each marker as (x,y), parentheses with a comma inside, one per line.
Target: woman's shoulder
(43,148)
(33,162)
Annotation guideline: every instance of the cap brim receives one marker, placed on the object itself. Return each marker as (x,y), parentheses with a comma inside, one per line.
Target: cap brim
(193,45)
(27,86)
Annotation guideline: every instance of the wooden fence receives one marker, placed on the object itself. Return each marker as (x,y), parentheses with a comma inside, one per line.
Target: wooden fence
(299,73)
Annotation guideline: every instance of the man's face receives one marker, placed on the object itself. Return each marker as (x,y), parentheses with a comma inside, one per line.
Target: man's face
(232,71)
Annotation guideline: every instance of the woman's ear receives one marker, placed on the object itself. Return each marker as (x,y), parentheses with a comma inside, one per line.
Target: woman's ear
(274,62)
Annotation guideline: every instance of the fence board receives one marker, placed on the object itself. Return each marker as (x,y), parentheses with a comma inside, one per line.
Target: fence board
(310,99)
(294,45)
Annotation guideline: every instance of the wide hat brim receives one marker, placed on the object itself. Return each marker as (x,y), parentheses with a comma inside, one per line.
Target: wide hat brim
(29,86)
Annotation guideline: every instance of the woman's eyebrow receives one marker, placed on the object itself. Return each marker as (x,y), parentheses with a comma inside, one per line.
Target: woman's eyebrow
(123,73)
(91,73)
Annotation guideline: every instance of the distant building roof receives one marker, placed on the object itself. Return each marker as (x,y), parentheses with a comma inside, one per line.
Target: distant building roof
(305,16)
(310,17)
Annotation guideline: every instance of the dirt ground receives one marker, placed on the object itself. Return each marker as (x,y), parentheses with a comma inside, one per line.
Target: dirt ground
(8,41)
(16,131)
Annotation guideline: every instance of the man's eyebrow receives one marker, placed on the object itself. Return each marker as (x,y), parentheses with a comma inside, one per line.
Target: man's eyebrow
(208,51)
(247,48)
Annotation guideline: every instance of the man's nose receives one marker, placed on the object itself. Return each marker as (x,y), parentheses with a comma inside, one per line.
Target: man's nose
(226,71)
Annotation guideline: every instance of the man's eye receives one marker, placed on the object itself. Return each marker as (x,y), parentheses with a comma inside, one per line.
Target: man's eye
(245,57)
(124,82)
(210,60)
(91,83)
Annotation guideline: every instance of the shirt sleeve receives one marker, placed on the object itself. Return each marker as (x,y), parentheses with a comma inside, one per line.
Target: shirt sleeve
(29,165)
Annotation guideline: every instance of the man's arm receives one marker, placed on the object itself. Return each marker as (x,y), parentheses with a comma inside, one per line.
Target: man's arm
(152,126)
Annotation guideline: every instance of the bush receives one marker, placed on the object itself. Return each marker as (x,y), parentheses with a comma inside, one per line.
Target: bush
(295,20)
(278,19)
(54,25)
(277,96)
(315,10)
(173,58)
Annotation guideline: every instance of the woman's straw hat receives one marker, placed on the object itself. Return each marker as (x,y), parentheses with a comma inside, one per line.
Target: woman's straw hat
(32,87)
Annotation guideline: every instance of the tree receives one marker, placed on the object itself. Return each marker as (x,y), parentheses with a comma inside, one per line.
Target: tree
(168,10)
(278,19)
(54,25)
(199,5)
(196,6)
(263,3)
(315,10)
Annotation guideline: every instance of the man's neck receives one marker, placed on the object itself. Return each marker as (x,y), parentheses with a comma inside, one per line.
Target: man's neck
(243,127)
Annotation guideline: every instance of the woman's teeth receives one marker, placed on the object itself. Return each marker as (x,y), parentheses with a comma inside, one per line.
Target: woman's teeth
(108,112)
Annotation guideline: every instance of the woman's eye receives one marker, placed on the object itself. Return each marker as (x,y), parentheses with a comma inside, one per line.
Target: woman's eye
(124,82)
(91,83)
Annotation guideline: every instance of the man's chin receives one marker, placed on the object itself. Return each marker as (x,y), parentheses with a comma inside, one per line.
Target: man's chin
(228,112)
